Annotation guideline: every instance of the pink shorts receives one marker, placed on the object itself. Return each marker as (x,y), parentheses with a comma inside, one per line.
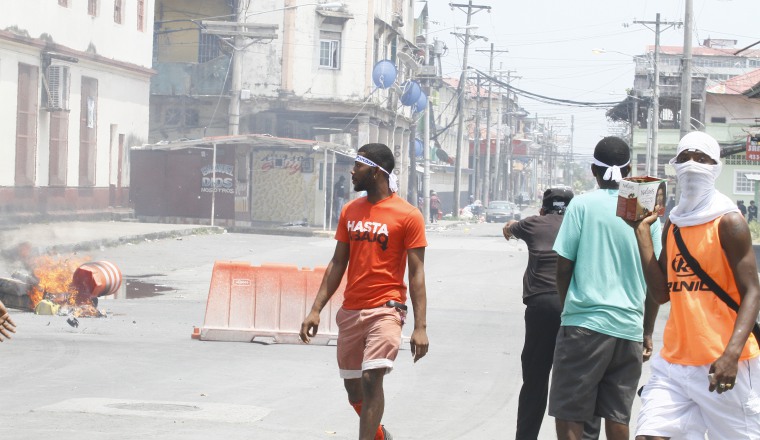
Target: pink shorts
(368,339)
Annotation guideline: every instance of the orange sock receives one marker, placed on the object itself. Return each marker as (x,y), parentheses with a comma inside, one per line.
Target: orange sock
(358,408)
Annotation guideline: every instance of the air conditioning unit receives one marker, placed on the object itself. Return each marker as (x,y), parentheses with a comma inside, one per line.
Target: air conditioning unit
(57,87)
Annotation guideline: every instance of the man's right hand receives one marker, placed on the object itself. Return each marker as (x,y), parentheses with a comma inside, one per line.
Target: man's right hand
(309,327)
(7,326)
(505,229)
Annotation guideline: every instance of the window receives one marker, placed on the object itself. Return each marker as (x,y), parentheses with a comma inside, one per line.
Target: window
(117,11)
(92,7)
(59,146)
(64,3)
(208,47)
(26,124)
(88,131)
(742,185)
(718,120)
(56,87)
(329,49)
(141,15)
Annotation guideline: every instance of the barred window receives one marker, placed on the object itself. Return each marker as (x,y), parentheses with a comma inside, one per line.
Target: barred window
(742,185)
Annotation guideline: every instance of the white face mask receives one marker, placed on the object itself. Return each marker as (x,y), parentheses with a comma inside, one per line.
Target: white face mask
(696,182)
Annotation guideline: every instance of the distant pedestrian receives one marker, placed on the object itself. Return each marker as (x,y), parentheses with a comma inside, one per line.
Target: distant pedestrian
(752,212)
(706,263)
(742,208)
(599,349)
(339,196)
(542,311)
(7,326)
(435,206)
(376,237)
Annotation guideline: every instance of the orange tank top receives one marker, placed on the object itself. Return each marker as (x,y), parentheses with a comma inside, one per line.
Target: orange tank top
(700,324)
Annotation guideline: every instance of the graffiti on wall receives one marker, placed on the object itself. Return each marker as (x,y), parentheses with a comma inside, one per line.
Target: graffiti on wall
(290,162)
(223,182)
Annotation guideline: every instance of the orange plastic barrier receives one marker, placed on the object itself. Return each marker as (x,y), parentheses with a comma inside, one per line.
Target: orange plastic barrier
(268,301)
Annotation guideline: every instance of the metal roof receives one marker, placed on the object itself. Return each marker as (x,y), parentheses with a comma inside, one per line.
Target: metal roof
(252,140)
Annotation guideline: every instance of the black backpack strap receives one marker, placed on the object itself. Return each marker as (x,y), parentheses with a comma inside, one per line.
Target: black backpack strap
(719,292)
(694,265)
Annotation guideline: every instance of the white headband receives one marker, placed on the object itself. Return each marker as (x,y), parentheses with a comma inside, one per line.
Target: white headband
(392,178)
(613,171)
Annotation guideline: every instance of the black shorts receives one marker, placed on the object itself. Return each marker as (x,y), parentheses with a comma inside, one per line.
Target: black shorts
(594,375)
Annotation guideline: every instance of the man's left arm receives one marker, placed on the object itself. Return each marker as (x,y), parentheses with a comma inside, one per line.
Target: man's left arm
(736,241)
(417,292)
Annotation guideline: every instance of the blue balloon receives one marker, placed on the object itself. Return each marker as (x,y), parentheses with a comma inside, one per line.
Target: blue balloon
(418,147)
(411,93)
(384,74)
(421,103)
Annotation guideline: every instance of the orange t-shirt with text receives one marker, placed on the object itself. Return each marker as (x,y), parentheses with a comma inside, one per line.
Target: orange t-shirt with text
(379,236)
(700,324)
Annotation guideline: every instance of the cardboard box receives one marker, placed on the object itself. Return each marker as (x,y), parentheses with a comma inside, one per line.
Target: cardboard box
(638,196)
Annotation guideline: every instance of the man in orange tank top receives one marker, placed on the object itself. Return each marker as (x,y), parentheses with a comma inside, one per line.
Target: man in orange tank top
(705,379)
(376,235)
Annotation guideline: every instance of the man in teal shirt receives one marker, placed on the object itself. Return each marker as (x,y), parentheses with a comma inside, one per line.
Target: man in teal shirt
(604,336)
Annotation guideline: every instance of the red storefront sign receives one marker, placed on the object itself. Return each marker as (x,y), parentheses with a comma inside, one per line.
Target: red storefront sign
(753,147)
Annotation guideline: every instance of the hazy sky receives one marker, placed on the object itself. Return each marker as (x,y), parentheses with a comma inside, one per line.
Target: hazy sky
(550,45)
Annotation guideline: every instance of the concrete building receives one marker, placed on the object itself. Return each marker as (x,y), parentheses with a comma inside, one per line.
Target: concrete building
(290,70)
(75,77)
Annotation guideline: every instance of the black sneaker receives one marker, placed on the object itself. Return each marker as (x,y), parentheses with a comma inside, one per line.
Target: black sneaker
(386,435)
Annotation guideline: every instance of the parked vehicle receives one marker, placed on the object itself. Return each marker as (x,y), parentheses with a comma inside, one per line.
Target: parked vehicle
(501,211)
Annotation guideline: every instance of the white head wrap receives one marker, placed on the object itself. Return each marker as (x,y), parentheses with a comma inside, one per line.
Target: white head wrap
(613,171)
(700,202)
(392,178)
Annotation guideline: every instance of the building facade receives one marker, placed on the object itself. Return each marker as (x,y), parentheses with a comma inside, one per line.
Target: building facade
(75,76)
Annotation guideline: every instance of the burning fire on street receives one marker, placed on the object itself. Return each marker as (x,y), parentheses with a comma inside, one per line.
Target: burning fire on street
(65,285)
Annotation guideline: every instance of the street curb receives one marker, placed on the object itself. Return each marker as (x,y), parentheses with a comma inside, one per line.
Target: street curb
(133,239)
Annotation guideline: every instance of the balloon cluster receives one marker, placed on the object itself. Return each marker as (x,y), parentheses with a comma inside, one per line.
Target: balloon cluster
(384,75)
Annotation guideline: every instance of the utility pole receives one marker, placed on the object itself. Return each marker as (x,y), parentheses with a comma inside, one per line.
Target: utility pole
(476,143)
(572,132)
(487,173)
(426,132)
(236,82)
(686,72)
(471,9)
(508,190)
(242,35)
(655,123)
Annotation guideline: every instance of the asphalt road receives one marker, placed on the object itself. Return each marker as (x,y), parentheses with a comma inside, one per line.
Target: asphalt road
(138,374)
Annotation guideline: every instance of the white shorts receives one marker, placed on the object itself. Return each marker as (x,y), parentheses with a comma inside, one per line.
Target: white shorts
(676,403)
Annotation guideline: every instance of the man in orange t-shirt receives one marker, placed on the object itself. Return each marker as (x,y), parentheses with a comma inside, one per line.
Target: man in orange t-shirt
(707,346)
(376,236)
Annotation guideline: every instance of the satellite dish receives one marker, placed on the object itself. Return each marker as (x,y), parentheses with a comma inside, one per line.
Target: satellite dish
(418,146)
(443,156)
(411,93)
(384,74)
(421,103)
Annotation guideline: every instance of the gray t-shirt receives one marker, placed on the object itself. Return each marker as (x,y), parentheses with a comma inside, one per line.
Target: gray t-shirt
(539,232)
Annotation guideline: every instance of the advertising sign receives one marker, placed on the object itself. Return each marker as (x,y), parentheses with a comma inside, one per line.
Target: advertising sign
(222,183)
(753,147)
